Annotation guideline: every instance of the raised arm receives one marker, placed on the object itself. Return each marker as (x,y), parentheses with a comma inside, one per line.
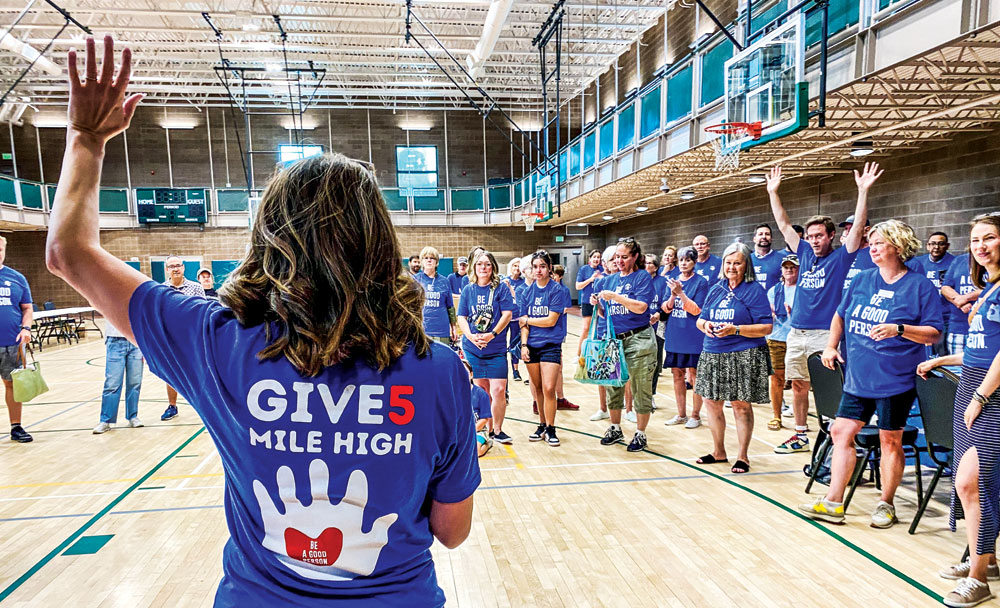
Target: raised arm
(864,180)
(780,215)
(98,111)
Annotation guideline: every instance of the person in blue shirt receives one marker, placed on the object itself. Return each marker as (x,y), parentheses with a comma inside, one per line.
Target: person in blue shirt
(438,307)
(668,263)
(863,259)
(542,335)
(734,363)
(960,293)
(585,278)
(781,296)
(458,279)
(515,280)
(935,265)
(484,312)
(414,265)
(609,267)
(346,436)
(708,266)
(976,422)
(766,262)
(888,315)
(682,338)
(822,270)
(660,294)
(558,273)
(626,296)
(15,335)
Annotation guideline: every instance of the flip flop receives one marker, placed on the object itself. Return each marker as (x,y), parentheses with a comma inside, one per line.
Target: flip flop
(709,459)
(774,424)
(740,467)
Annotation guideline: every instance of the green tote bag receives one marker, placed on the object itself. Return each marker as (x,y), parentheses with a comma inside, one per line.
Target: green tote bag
(28,381)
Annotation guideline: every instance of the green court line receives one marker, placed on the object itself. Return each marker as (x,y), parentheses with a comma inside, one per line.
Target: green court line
(825,529)
(88,545)
(95,359)
(152,488)
(90,522)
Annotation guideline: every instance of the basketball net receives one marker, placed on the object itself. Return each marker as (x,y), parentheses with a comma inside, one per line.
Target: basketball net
(727,144)
(529,220)
(727,157)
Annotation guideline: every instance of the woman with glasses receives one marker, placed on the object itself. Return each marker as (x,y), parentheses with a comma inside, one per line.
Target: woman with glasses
(625,296)
(484,311)
(734,364)
(438,308)
(307,348)
(682,338)
(887,317)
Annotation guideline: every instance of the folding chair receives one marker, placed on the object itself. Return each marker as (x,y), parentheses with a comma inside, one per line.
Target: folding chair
(936,395)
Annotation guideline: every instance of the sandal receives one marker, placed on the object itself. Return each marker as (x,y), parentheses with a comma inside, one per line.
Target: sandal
(740,467)
(709,459)
(774,424)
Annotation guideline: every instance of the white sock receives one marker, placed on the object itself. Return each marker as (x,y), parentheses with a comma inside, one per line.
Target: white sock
(641,434)
(614,427)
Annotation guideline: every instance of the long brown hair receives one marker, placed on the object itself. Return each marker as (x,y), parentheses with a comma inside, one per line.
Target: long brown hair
(324,265)
(977,270)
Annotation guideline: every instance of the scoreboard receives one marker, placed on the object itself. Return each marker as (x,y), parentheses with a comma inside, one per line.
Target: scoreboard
(171,205)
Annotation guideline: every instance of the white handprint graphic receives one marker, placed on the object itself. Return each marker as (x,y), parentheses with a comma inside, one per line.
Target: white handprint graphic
(322,541)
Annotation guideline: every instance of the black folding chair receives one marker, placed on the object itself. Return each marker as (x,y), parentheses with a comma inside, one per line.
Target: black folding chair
(936,395)
(827,386)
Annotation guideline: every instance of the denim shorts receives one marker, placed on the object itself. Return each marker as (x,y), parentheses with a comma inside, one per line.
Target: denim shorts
(492,367)
(892,411)
(546,353)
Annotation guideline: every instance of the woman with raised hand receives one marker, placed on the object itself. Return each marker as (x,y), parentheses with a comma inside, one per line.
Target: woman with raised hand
(734,363)
(887,316)
(977,422)
(307,349)
(682,338)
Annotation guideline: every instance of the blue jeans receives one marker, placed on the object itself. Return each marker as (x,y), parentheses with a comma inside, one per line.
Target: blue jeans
(123,359)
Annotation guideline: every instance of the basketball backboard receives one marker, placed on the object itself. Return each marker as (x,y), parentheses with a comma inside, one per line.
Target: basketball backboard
(766,83)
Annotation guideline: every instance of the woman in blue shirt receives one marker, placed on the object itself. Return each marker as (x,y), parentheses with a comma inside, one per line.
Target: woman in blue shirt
(682,338)
(734,363)
(886,318)
(659,295)
(668,263)
(484,311)
(438,305)
(585,279)
(307,349)
(977,421)
(542,336)
(515,279)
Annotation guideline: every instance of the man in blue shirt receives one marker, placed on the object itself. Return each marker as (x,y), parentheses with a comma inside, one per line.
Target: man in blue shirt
(822,271)
(766,263)
(15,334)
(863,260)
(961,294)
(708,265)
(935,265)
(459,278)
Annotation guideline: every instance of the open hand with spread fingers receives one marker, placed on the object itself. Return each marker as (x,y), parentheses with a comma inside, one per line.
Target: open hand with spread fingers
(98,108)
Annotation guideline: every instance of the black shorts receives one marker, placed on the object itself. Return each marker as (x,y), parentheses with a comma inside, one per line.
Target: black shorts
(546,353)
(892,411)
(586,308)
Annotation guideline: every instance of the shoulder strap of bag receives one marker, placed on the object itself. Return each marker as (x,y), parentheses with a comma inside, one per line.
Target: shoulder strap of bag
(979,303)
(611,325)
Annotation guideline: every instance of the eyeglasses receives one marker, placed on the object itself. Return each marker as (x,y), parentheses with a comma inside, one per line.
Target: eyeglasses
(173,266)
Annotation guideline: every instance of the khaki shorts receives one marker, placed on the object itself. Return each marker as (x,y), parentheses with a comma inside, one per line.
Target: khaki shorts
(777,350)
(802,343)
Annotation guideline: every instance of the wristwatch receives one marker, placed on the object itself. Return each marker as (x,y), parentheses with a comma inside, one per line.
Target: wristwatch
(26,327)
(495,334)
(737,330)
(899,329)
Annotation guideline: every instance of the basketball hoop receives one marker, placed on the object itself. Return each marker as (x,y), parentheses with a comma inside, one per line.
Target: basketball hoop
(727,145)
(529,220)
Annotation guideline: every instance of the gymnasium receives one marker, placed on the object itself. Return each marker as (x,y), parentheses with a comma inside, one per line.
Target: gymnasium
(499,303)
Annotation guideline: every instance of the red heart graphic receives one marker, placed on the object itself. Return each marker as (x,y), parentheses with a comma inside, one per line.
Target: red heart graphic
(321,551)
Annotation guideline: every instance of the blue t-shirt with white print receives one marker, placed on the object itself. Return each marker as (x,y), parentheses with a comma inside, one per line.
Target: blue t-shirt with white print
(437,301)
(935,271)
(637,285)
(660,294)
(767,268)
(709,269)
(862,261)
(887,367)
(982,342)
(457,282)
(537,303)
(14,292)
(682,334)
(959,278)
(745,305)
(475,298)
(820,286)
(326,478)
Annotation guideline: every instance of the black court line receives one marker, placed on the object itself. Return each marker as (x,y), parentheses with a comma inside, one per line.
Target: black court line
(34,424)
(121,428)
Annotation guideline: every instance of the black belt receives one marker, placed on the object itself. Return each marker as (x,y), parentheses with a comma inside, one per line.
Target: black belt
(632,332)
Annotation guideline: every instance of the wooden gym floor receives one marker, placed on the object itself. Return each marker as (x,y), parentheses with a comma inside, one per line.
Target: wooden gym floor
(134,517)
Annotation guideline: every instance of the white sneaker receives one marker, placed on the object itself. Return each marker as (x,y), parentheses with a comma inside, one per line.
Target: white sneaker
(652,400)
(599,415)
(884,515)
(677,419)
(630,416)
(787,411)
(135,422)
(693,423)
(103,427)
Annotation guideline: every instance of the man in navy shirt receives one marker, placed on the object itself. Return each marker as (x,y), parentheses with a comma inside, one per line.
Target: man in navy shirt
(15,334)
(822,272)
(708,265)
(459,278)
(935,265)
(766,263)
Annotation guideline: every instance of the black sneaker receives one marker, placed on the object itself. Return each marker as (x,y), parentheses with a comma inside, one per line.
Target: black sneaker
(550,436)
(612,435)
(504,438)
(637,444)
(517,375)
(18,434)
(539,433)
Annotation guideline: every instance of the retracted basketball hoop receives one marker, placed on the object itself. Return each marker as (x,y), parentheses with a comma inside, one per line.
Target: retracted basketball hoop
(727,145)
(529,220)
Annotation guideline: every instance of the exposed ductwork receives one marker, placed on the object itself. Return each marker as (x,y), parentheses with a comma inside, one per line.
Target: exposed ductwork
(30,53)
(495,19)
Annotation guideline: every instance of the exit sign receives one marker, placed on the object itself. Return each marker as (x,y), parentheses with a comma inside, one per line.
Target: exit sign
(560,238)
(8,156)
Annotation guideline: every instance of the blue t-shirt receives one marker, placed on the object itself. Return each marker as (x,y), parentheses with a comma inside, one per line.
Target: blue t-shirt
(515,283)
(745,305)
(885,368)
(959,278)
(481,404)
(538,302)
(779,295)
(14,291)
(709,269)
(637,285)
(326,478)
(457,283)
(583,274)
(935,271)
(673,273)
(475,299)
(862,261)
(767,268)
(660,294)
(437,301)
(983,339)
(682,334)
(820,286)
(568,300)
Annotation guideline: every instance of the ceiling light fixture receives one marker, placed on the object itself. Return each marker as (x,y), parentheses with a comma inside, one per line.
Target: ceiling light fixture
(56,121)
(415,126)
(30,53)
(862,147)
(608,217)
(582,224)
(687,195)
(641,208)
(756,179)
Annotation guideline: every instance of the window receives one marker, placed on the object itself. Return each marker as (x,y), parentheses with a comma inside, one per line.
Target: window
(626,127)
(607,130)
(713,71)
(574,160)
(589,150)
(842,15)
(416,170)
(679,95)
(289,153)
(649,122)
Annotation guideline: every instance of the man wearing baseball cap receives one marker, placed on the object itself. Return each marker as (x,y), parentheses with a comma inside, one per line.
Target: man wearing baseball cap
(208,283)
(458,279)
(863,261)
(781,295)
